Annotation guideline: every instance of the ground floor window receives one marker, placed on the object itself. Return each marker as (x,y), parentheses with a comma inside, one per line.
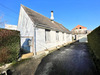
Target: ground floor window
(47,35)
(57,35)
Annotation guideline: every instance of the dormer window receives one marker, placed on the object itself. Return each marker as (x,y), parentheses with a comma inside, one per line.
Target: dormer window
(80,28)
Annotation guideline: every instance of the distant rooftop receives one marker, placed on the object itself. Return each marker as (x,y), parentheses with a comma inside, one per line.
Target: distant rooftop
(10,27)
(79,27)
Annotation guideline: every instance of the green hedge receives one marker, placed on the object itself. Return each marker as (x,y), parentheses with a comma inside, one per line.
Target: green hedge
(9,45)
(94,41)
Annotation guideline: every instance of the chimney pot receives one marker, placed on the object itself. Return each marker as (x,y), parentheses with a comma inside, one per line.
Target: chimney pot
(52,17)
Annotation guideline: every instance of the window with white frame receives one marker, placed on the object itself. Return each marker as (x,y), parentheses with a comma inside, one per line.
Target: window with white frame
(57,35)
(47,35)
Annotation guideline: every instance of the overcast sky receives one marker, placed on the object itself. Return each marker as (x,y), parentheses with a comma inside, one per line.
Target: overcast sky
(70,13)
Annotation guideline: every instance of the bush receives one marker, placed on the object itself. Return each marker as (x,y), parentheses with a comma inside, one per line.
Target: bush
(94,41)
(4,54)
(9,45)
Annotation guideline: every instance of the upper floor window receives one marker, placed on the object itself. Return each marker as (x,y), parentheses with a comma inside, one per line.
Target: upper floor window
(80,27)
(47,35)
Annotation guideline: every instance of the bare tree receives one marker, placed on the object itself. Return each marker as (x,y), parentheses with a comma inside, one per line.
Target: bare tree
(2,23)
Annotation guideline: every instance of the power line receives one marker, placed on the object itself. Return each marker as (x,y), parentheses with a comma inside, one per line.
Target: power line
(9,15)
(8,8)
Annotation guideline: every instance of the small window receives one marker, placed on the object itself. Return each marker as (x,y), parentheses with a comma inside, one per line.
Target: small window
(86,32)
(80,28)
(47,35)
(57,35)
(76,28)
(63,36)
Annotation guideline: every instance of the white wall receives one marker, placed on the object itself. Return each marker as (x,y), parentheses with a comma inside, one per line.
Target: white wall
(83,38)
(41,44)
(40,39)
(68,37)
(25,26)
(10,27)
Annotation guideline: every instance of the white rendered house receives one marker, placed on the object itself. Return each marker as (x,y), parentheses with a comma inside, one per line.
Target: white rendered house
(39,33)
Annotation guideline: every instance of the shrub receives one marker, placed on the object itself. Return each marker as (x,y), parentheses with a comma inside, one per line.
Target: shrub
(94,41)
(9,45)
(4,55)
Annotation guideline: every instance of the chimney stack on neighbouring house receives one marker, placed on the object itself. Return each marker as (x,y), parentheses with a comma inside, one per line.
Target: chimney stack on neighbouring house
(52,17)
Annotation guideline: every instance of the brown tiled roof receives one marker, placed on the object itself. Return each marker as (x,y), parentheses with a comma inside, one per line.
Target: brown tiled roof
(44,22)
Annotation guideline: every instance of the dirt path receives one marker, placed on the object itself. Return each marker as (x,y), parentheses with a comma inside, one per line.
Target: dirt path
(25,67)
(70,60)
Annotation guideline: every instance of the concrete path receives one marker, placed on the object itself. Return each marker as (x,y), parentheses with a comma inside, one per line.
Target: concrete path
(70,60)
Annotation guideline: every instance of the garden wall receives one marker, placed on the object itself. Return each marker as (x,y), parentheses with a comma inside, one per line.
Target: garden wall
(9,45)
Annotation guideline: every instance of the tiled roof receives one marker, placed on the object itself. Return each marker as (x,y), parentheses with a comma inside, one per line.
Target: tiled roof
(78,27)
(44,22)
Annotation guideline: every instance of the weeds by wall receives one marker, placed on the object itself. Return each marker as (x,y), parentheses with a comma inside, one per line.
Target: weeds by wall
(9,45)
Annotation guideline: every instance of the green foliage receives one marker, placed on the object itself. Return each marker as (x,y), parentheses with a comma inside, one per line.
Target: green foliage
(94,43)
(9,45)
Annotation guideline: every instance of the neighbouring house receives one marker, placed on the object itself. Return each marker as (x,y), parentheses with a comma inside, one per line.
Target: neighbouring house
(10,27)
(80,33)
(39,33)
